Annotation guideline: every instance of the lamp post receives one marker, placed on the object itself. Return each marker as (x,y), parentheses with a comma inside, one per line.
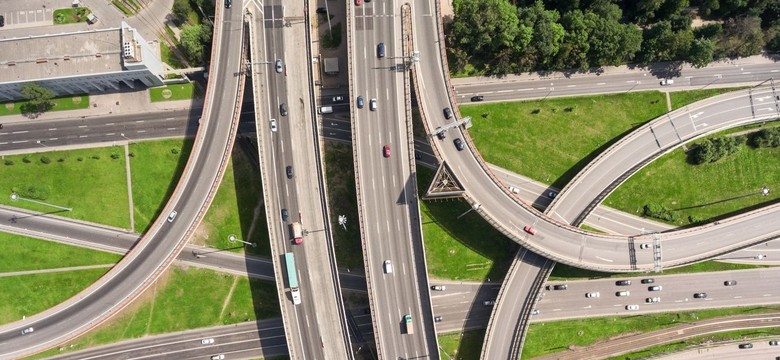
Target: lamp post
(233,238)
(39,142)
(16,197)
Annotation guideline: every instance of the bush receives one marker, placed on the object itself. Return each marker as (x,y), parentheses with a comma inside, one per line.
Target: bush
(80,158)
(26,160)
(714,149)
(175,151)
(45,160)
(96,157)
(9,162)
(61,160)
(657,211)
(115,156)
(766,138)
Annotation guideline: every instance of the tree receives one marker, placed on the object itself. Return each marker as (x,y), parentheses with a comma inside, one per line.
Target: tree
(38,99)
(611,43)
(742,37)
(644,11)
(661,43)
(193,39)
(485,29)
(547,35)
(181,8)
(701,52)
(573,52)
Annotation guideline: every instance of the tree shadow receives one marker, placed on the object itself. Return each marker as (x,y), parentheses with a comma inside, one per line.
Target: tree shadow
(33,111)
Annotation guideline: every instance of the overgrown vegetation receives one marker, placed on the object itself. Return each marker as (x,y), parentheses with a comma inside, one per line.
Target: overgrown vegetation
(195,37)
(70,15)
(503,36)
(331,39)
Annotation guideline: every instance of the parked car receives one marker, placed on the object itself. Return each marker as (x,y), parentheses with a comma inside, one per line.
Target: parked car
(458,144)
(648,281)
(700,295)
(730,283)
(477,98)
(632,307)
(655,288)
(529,230)
(358,2)
(623,282)
(439,287)
(593,294)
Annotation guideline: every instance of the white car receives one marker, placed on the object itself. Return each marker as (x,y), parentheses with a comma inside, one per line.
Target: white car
(594,294)
(273,125)
(172,216)
(632,307)
(644,246)
(489,302)
(372,104)
(207,341)
(665,82)
(279,65)
(28,330)
(388,267)
(218,357)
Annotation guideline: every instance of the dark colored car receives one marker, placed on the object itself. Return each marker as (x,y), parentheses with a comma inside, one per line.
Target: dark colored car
(228,3)
(283,109)
(730,282)
(360,102)
(441,135)
(477,98)
(289,172)
(648,281)
(774,343)
(438,319)
(2,21)
(380,50)
(700,295)
(458,144)
(746,346)
(322,10)
(559,287)
(285,215)
(447,113)
(623,282)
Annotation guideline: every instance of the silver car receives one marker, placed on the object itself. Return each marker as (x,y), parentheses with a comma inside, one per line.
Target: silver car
(279,66)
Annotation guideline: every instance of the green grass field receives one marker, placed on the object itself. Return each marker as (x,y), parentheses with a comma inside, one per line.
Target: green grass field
(20,253)
(173,92)
(28,295)
(70,15)
(465,345)
(551,140)
(682,98)
(563,272)
(702,192)
(64,103)
(185,299)
(343,201)
(548,337)
(89,181)
(233,210)
(461,249)
(156,167)
(168,57)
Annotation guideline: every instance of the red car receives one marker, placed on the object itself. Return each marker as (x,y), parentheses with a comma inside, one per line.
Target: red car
(387,151)
(358,2)
(530,230)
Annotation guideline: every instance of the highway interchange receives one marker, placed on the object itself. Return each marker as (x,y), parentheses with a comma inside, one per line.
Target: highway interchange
(372,149)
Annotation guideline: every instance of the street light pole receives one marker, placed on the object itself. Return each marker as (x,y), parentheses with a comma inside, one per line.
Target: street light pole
(15,197)
(233,238)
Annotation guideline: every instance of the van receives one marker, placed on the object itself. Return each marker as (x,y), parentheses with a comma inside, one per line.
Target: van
(326,109)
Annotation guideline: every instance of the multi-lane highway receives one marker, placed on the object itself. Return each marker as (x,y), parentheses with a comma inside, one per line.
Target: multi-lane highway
(154,253)
(386,184)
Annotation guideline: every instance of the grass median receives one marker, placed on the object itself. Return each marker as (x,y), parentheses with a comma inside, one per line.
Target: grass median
(59,104)
(21,253)
(182,299)
(342,200)
(461,345)
(91,182)
(549,337)
(173,92)
(563,272)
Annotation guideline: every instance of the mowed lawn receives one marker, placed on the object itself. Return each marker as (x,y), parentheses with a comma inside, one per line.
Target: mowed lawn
(89,181)
(682,98)
(705,192)
(465,345)
(155,168)
(548,337)
(185,299)
(461,249)
(21,253)
(551,140)
(27,295)
(342,200)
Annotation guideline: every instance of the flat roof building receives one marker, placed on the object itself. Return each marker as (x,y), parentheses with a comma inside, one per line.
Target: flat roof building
(79,62)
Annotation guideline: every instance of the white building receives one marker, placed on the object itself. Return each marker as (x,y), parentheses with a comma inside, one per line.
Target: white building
(81,62)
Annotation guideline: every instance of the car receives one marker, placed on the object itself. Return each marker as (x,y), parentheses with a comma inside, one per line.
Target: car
(438,318)
(730,283)
(228,4)
(648,281)
(665,82)
(279,66)
(172,215)
(623,293)
(218,357)
(380,50)
(652,300)
(322,10)
(447,113)
(746,346)
(338,99)
(655,288)
(700,295)
(439,287)
(283,109)
(632,307)
(552,194)
(529,230)
(360,102)
(557,287)
(489,302)
(358,2)
(623,282)
(207,341)
(644,246)
(773,343)
(386,151)
(27,330)
(458,144)
(2,21)
(388,267)
(477,98)
(273,125)
(289,171)
(441,135)
(285,215)
(372,104)
(535,312)
(593,294)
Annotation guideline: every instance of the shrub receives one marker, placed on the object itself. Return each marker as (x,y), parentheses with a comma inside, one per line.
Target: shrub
(45,160)
(174,151)
(61,160)
(714,149)
(115,156)
(26,160)
(96,157)
(131,155)
(80,158)
(766,138)
(32,192)
(9,162)
(657,211)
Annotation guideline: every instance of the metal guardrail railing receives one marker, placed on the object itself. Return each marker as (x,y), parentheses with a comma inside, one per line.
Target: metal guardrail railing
(528,306)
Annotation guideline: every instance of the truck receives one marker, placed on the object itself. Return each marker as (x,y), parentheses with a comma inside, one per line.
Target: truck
(409,325)
(292,277)
(297,233)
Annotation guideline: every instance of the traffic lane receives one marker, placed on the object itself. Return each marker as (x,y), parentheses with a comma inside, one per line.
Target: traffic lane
(754,287)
